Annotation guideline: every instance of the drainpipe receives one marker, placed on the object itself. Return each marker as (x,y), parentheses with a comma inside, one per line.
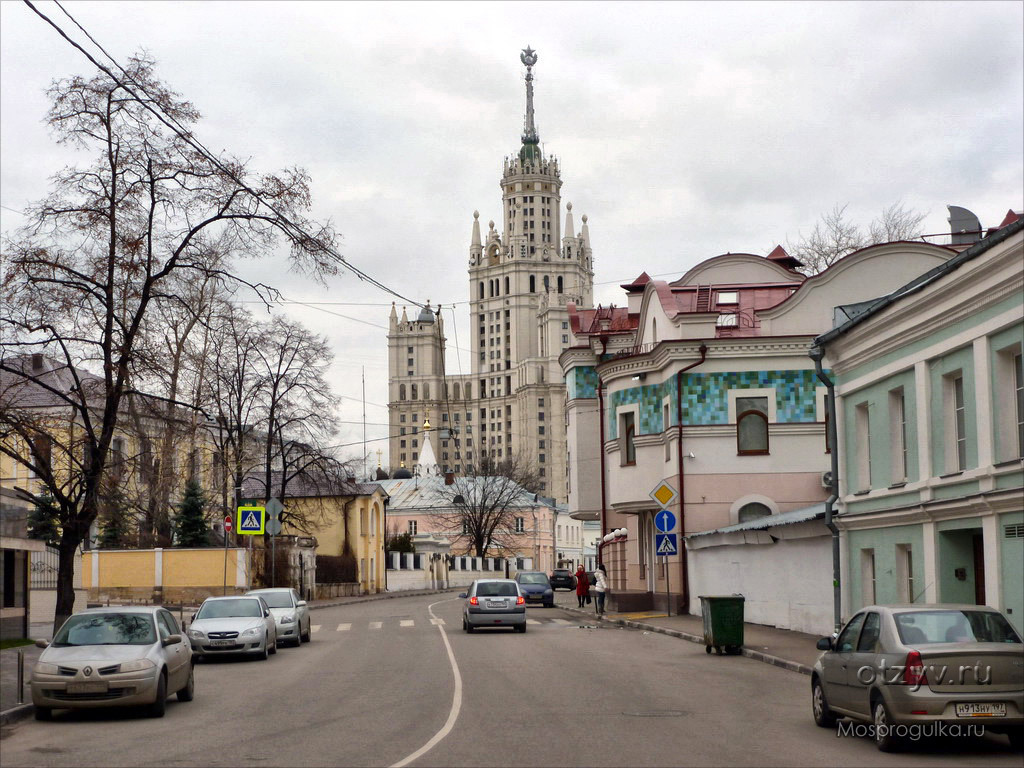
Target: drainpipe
(600,415)
(684,588)
(816,353)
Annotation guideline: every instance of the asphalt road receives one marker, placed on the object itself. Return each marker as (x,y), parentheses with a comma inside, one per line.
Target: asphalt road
(377,685)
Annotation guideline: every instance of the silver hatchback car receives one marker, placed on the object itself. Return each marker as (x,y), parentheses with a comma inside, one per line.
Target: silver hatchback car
(290,612)
(113,657)
(922,665)
(494,603)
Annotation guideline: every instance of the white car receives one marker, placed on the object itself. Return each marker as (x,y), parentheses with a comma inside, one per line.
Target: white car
(113,657)
(229,625)
(290,612)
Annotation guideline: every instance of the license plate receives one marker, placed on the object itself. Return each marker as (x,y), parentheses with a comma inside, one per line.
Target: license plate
(87,687)
(222,642)
(981,710)
(495,603)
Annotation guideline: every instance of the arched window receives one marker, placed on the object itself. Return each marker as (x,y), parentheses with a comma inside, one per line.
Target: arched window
(374,514)
(426,391)
(456,390)
(559,284)
(481,289)
(401,391)
(547,284)
(469,391)
(414,392)
(654,330)
(753,511)
(506,286)
(490,288)
(628,427)
(533,284)
(752,425)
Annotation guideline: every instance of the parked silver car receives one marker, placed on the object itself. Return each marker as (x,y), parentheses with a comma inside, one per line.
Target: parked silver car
(226,625)
(916,665)
(114,656)
(290,612)
(494,603)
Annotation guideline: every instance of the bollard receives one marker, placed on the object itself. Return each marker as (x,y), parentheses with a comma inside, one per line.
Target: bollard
(21,676)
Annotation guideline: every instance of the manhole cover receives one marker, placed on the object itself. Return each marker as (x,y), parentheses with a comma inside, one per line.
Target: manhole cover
(657,713)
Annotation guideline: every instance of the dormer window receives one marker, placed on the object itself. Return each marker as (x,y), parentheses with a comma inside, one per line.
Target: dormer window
(726,320)
(728,297)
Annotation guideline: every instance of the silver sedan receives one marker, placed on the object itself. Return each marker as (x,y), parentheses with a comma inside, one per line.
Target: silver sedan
(290,612)
(114,656)
(230,625)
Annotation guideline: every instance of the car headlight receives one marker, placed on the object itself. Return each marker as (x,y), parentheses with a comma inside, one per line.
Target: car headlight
(287,619)
(42,668)
(548,592)
(251,632)
(196,634)
(136,666)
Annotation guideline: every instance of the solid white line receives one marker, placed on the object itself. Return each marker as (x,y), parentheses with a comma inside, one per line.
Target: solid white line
(407,623)
(453,715)
(315,628)
(438,622)
(344,627)
(376,624)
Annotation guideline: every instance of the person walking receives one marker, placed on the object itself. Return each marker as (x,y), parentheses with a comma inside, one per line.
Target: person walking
(582,586)
(600,587)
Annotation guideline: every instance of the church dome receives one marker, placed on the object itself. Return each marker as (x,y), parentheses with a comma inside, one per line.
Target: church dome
(426,315)
(402,474)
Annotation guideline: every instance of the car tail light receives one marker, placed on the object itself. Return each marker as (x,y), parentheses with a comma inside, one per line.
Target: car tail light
(474,601)
(913,670)
(520,600)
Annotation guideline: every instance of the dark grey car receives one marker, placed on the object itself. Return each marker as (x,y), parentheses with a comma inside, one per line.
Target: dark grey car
(493,603)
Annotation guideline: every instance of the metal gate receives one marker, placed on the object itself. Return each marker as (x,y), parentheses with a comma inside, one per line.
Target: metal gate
(44,569)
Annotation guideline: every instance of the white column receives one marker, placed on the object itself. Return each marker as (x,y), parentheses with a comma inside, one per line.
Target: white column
(990,539)
(845,609)
(923,389)
(240,569)
(983,406)
(95,553)
(158,563)
(931,585)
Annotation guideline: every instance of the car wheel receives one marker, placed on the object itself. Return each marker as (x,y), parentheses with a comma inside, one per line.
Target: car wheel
(521,629)
(273,648)
(823,715)
(1016,736)
(159,706)
(264,651)
(189,691)
(469,628)
(885,740)
(44,714)
(307,637)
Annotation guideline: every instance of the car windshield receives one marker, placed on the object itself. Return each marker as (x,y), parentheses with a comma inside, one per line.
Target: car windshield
(106,629)
(277,599)
(533,578)
(496,589)
(954,627)
(226,609)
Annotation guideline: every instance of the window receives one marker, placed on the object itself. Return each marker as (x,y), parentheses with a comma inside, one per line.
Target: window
(726,320)
(898,436)
(867,576)
(401,417)
(905,572)
(560,285)
(862,429)
(401,443)
(628,427)
(412,527)
(1018,385)
(752,425)
(848,638)
(956,422)
(869,635)
(728,297)
(753,511)
(401,393)
(520,525)
(408,350)
(540,416)
(565,325)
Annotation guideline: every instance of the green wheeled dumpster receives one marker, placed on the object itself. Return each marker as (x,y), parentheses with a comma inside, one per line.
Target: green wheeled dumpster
(723,622)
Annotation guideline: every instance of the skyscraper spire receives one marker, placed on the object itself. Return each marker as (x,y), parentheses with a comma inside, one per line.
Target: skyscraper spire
(531,141)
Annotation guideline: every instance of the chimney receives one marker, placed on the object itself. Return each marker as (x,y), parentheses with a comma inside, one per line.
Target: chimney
(37,362)
(449,478)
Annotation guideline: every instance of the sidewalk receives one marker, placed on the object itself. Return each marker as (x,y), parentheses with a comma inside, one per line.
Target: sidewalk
(794,651)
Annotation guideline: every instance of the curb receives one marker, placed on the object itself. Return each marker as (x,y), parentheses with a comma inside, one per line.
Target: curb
(766,658)
(14,714)
(381,596)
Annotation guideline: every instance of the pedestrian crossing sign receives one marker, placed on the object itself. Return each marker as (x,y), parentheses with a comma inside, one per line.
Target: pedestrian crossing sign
(251,520)
(665,544)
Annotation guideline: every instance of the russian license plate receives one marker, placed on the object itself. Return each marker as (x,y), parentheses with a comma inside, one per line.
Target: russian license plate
(222,642)
(87,687)
(495,603)
(981,710)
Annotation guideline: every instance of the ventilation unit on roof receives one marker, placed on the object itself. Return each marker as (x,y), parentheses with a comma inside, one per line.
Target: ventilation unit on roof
(964,226)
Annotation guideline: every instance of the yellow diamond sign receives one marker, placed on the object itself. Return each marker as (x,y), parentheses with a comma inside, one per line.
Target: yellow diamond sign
(664,494)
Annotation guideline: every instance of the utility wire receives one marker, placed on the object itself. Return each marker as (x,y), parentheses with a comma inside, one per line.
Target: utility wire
(285,223)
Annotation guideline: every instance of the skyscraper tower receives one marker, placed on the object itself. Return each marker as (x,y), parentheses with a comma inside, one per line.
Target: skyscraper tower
(520,281)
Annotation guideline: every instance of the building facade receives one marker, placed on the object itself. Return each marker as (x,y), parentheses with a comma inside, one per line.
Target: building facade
(522,279)
(930,397)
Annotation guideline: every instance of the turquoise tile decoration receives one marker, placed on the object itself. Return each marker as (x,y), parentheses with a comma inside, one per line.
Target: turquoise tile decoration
(581,382)
(706,398)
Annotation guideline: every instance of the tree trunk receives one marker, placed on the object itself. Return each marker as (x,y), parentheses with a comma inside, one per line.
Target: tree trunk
(66,549)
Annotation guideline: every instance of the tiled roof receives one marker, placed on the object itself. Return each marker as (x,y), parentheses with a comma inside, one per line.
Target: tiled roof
(638,284)
(611,320)
(771,521)
(24,392)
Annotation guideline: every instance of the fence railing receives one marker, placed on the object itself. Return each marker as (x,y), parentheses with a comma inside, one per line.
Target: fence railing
(44,569)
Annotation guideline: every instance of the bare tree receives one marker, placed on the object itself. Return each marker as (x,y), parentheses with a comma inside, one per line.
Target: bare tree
(896,223)
(99,253)
(478,510)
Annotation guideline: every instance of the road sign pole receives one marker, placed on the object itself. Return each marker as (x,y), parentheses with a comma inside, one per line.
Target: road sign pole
(273,559)
(668,593)
(225,562)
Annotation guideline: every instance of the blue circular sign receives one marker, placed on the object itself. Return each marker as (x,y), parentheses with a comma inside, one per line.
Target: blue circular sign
(665,521)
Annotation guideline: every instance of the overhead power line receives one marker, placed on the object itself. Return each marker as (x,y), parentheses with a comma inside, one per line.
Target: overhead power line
(183,133)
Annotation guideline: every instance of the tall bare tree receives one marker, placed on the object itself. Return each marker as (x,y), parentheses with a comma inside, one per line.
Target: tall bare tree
(100,251)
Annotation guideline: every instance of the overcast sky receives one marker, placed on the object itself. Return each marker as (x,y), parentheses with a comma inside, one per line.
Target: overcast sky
(684,130)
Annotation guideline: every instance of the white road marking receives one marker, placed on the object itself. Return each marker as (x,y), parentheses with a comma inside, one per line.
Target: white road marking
(407,623)
(376,624)
(453,714)
(315,628)
(344,627)
(437,622)
(532,621)
(560,621)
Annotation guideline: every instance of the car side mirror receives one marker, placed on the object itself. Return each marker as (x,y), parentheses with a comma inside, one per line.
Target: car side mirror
(301,603)
(266,614)
(193,617)
(170,640)
(42,644)
(825,644)
(463,595)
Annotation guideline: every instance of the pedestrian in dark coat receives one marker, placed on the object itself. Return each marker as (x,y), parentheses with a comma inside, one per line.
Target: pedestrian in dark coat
(582,586)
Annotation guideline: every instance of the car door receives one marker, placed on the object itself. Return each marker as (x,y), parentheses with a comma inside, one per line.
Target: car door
(836,663)
(862,668)
(301,612)
(270,623)
(176,654)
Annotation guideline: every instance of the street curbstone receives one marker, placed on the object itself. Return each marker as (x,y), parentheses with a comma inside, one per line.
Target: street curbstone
(14,714)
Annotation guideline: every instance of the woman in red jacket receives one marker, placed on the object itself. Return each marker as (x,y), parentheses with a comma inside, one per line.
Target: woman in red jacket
(582,586)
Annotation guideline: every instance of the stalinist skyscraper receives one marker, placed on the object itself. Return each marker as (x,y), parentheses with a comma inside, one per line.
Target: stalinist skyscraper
(520,280)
